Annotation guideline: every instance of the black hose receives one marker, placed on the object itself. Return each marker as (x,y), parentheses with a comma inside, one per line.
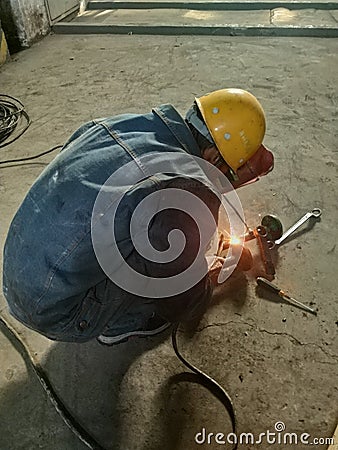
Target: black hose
(208,382)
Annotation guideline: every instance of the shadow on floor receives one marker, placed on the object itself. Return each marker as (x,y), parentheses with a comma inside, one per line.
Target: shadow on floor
(87,377)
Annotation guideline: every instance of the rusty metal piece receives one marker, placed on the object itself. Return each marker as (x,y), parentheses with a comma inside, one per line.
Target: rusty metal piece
(261,235)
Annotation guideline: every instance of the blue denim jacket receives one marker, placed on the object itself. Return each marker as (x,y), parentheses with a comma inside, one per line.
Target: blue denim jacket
(52,280)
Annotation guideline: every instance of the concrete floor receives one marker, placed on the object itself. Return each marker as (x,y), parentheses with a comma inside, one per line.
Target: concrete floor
(277,362)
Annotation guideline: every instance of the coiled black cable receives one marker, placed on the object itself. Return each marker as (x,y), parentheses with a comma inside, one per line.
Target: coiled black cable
(12,115)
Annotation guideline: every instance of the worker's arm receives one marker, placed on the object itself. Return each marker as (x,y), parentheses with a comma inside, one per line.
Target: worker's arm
(191,302)
(191,299)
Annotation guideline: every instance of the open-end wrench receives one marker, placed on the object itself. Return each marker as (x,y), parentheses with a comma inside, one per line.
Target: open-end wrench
(316,212)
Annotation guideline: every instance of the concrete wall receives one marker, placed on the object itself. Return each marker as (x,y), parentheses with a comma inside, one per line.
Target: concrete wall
(24,22)
(83,5)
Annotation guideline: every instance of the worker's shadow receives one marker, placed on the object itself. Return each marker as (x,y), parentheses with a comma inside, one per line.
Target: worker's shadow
(233,292)
(87,378)
(97,385)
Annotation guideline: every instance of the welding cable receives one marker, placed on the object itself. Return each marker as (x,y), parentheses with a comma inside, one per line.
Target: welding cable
(58,404)
(8,161)
(197,376)
(237,213)
(12,114)
(205,380)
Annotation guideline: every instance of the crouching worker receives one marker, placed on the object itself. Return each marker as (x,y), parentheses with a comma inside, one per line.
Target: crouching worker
(111,239)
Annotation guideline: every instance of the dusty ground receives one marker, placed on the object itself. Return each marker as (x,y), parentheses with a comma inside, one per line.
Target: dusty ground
(278,363)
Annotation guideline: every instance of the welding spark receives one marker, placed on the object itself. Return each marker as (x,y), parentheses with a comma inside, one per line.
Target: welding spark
(235,240)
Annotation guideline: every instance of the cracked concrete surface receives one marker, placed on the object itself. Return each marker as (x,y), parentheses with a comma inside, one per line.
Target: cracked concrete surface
(277,362)
(274,333)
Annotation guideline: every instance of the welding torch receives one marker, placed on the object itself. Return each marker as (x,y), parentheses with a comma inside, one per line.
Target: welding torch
(276,290)
(235,240)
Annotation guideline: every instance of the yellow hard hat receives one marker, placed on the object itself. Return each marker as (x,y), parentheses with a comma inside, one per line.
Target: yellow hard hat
(236,122)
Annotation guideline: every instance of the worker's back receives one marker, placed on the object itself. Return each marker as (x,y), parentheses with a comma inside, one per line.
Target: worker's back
(49,261)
